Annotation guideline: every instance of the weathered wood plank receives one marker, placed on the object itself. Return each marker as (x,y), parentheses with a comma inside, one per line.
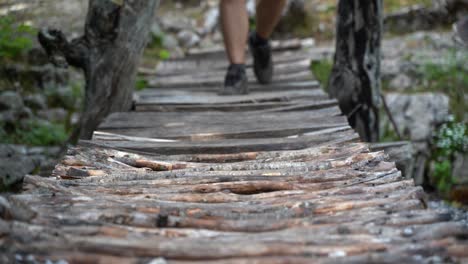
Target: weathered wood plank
(212,125)
(228,145)
(173,96)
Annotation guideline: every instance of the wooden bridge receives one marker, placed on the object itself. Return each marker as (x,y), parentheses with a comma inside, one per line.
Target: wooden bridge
(276,176)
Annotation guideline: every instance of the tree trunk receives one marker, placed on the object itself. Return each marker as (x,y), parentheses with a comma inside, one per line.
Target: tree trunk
(116,33)
(355,78)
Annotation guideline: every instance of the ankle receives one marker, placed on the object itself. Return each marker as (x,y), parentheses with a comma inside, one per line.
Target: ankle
(237,67)
(259,40)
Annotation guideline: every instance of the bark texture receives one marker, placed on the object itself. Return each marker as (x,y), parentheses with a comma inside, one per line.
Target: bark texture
(355,78)
(116,32)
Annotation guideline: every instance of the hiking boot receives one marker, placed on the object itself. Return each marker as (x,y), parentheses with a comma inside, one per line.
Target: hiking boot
(263,63)
(235,81)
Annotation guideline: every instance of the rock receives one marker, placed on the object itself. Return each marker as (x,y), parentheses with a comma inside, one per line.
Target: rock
(460,169)
(8,151)
(58,115)
(32,78)
(62,97)
(399,152)
(420,17)
(35,101)
(417,115)
(13,116)
(188,38)
(461,30)
(13,166)
(211,20)
(170,42)
(10,100)
(171,22)
(401,82)
(156,30)
(295,16)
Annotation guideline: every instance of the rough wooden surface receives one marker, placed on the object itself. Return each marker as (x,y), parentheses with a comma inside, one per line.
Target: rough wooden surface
(277,176)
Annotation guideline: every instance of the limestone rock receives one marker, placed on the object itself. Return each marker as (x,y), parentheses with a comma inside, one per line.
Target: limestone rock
(401,82)
(35,101)
(460,169)
(211,20)
(14,165)
(188,38)
(54,114)
(10,100)
(418,114)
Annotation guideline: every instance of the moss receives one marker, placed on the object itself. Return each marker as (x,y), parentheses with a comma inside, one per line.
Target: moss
(322,70)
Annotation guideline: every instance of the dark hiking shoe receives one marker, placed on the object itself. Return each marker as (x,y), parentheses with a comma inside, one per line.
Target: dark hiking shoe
(263,63)
(235,81)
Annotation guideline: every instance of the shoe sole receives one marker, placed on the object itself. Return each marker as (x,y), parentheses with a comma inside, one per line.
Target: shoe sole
(240,88)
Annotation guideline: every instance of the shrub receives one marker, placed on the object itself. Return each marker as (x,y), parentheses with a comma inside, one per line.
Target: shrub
(35,133)
(15,39)
(451,139)
(449,77)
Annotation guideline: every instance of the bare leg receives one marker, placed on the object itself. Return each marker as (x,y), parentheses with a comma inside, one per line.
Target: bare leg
(268,16)
(235,27)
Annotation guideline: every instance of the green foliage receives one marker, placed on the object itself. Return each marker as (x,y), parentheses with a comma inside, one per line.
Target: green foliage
(141,84)
(443,175)
(252,23)
(156,47)
(164,54)
(449,77)
(322,70)
(35,133)
(395,5)
(14,39)
(451,139)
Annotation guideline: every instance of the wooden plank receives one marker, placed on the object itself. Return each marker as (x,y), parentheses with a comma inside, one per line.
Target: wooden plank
(187,65)
(212,125)
(276,45)
(304,75)
(254,87)
(162,97)
(227,145)
(280,69)
(292,105)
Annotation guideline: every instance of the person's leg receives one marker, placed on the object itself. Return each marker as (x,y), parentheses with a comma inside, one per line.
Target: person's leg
(235,27)
(268,15)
